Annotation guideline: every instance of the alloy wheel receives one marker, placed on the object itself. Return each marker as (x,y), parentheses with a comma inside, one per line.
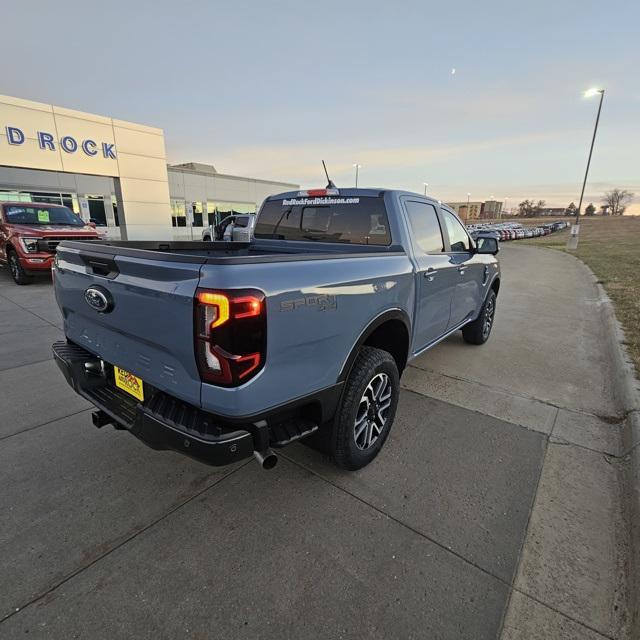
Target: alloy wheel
(489,313)
(372,411)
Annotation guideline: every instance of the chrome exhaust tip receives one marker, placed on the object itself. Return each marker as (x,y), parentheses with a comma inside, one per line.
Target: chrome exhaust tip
(266,459)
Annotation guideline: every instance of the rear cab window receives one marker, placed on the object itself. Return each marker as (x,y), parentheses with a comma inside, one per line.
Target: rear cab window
(357,220)
(423,220)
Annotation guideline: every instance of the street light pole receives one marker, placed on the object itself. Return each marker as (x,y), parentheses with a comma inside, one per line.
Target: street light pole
(357,167)
(426,184)
(467,216)
(573,239)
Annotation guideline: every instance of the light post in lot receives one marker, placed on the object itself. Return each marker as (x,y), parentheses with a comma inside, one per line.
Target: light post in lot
(572,243)
(426,184)
(467,216)
(357,167)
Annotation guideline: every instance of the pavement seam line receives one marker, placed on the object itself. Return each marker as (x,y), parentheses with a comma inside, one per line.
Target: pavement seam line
(446,549)
(44,424)
(560,613)
(26,364)
(518,563)
(553,427)
(563,442)
(559,440)
(396,520)
(474,410)
(121,544)
(618,418)
(31,312)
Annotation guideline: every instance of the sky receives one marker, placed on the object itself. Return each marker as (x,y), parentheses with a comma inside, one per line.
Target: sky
(269,89)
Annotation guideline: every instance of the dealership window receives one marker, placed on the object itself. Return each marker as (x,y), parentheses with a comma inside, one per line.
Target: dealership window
(211,213)
(197,214)
(97,214)
(178,216)
(218,211)
(69,200)
(114,204)
(14,196)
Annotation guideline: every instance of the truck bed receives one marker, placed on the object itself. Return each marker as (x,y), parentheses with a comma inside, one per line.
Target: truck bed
(229,252)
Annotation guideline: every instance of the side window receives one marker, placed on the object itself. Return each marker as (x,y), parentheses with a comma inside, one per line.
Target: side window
(458,236)
(425,226)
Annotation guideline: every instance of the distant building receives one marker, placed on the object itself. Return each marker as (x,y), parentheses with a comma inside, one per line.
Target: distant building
(477,209)
(492,209)
(553,211)
(470,211)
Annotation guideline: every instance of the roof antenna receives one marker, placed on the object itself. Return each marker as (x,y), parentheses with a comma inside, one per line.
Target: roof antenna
(330,184)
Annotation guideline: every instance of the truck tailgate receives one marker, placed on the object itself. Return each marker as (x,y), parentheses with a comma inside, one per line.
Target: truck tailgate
(149,330)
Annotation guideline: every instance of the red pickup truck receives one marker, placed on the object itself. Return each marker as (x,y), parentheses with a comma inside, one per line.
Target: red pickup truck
(30,233)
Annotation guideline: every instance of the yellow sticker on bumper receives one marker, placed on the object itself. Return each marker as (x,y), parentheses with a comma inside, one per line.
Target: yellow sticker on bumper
(129,383)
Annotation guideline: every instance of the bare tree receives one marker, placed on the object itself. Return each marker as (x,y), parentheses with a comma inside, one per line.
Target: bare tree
(617,200)
(525,208)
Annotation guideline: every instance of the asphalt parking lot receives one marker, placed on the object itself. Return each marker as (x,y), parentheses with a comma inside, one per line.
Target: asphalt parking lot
(467,525)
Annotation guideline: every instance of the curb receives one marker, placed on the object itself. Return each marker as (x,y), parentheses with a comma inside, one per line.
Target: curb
(627,395)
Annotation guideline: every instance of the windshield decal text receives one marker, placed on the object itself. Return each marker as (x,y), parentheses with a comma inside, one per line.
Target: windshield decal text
(295,202)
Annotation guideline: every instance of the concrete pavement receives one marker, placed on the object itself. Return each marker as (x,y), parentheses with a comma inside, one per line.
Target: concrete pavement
(493,509)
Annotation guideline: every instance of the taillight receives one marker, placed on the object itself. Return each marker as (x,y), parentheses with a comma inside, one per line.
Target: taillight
(230,335)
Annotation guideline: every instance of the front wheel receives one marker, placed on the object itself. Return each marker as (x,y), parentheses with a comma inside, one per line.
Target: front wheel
(19,275)
(478,331)
(367,410)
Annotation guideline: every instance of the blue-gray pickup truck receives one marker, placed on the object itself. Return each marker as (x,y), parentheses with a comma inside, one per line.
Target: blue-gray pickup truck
(226,350)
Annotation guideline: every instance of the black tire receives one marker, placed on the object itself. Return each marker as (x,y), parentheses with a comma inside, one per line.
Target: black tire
(206,239)
(478,331)
(19,275)
(374,372)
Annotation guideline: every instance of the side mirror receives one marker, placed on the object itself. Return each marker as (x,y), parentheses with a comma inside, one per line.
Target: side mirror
(487,244)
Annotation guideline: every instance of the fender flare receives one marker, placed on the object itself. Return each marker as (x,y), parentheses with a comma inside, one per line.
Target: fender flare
(489,286)
(493,281)
(379,320)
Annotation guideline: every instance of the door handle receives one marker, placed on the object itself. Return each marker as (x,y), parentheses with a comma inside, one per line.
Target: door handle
(430,273)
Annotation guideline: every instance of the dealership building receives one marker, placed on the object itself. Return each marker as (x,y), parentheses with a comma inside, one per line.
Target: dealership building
(115,173)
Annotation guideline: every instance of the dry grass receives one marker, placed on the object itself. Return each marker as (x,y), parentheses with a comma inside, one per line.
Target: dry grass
(611,247)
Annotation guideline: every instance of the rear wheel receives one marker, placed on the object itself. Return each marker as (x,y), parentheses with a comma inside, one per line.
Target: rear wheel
(19,275)
(478,331)
(367,409)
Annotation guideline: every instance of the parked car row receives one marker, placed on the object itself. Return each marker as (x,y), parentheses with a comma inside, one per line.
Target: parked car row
(515,231)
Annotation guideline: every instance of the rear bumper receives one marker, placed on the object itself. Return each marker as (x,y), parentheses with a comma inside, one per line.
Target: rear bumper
(165,422)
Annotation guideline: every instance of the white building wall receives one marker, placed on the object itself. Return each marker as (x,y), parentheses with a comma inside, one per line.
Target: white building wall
(143,186)
(139,163)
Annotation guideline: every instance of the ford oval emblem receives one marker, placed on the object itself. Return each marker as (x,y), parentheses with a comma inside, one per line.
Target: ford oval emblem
(99,298)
